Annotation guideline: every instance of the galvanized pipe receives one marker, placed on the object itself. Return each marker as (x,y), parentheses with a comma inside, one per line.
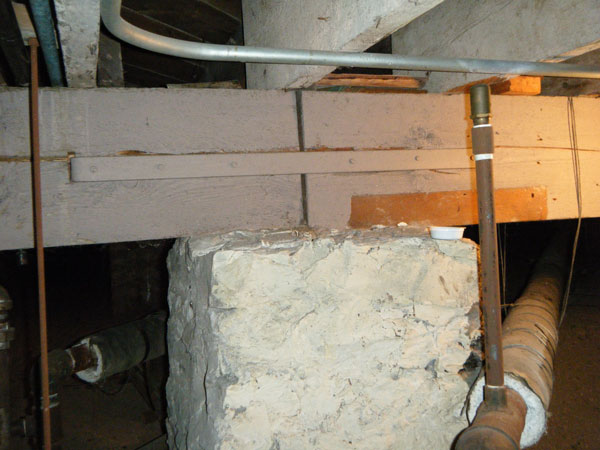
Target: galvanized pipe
(483,150)
(110,11)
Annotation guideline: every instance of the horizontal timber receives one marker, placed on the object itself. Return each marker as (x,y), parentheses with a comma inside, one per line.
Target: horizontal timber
(531,135)
(158,167)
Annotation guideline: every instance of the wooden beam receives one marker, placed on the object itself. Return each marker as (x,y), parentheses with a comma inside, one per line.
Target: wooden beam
(155,167)
(523,85)
(518,86)
(319,25)
(447,208)
(365,80)
(574,86)
(110,63)
(549,30)
(532,139)
(78,23)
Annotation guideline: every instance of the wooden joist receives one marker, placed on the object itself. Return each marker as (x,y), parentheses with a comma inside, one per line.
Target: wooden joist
(531,134)
(522,85)
(366,80)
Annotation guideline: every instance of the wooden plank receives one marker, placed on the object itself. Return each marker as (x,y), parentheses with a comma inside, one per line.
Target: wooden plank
(518,86)
(329,196)
(108,121)
(434,121)
(365,80)
(446,208)
(522,85)
(574,86)
(247,164)
(153,167)
(532,150)
(88,213)
(104,121)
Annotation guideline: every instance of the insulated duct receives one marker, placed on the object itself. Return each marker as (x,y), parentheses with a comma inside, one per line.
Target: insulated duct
(530,339)
(110,11)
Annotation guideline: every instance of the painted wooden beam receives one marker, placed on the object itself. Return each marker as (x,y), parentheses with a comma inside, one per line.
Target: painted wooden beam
(532,138)
(550,30)
(79,30)
(319,25)
(157,167)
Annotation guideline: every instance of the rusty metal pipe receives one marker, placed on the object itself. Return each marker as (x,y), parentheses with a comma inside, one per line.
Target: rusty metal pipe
(530,339)
(39,240)
(483,149)
(496,427)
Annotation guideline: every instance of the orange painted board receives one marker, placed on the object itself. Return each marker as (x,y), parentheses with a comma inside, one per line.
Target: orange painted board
(446,208)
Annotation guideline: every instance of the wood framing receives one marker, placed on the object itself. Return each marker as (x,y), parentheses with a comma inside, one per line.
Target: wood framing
(532,139)
(365,80)
(448,208)
(522,85)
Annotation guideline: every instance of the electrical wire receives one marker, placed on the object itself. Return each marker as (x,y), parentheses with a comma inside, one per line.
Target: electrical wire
(577,176)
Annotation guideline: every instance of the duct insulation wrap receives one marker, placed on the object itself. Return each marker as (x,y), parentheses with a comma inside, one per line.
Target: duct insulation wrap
(530,339)
(121,348)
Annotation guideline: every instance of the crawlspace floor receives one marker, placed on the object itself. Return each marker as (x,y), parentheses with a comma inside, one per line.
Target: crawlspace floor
(574,423)
(95,420)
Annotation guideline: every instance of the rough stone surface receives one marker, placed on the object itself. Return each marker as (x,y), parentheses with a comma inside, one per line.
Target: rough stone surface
(352,26)
(293,341)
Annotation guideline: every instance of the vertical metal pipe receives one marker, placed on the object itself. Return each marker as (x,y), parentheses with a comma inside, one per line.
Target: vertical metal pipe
(39,241)
(483,149)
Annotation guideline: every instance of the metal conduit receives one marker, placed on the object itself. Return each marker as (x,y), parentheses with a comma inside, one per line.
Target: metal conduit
(110,11)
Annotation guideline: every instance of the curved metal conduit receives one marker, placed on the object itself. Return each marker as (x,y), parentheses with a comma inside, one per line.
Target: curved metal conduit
(111,15)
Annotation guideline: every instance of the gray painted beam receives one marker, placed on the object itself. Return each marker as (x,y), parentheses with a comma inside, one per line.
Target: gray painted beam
(549,30)
(531,131)
(158,167)
(318,25)
(78,28)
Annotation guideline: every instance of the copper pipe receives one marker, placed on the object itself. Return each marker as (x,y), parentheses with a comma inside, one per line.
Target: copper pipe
(39,240)
(483,149)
